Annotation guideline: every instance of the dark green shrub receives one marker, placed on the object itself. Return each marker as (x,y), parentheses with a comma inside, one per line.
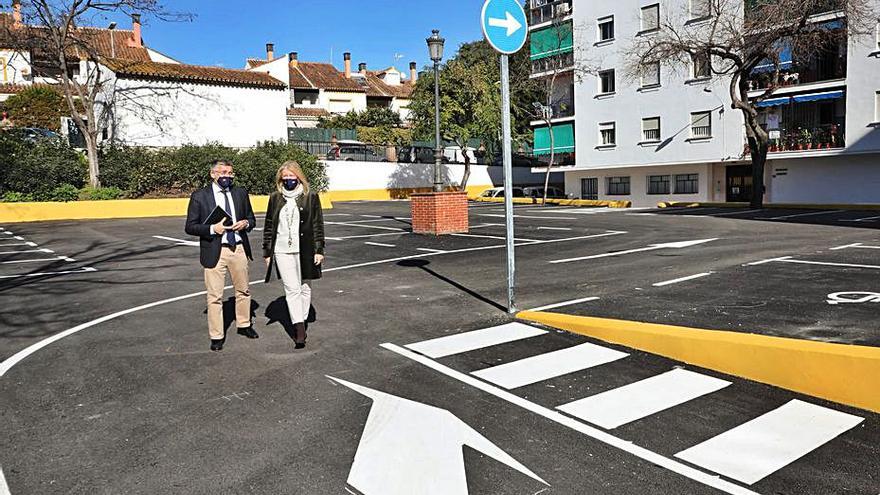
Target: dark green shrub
(100,193)
(64,192)
(255,168)
(16,197)
(190,165)
(36,168)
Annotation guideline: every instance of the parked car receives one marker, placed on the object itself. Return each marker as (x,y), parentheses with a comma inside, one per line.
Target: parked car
(34,134)
(498,192)
(519,160)
(350,150)
(417,154)
(538,192)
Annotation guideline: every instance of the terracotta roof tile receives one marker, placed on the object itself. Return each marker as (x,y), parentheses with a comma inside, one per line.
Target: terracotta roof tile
(381,88)
(307,112)
(194,73)
(99,39)
(255,62)
(11,89)
(317,75)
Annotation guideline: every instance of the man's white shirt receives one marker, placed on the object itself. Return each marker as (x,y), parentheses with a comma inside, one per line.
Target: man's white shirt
(221,202)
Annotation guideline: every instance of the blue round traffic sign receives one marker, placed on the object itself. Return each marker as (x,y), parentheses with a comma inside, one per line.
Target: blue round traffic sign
(504,25)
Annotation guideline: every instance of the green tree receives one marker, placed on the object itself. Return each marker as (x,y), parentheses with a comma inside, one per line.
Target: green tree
(371,117)
(470,100)
(38,106)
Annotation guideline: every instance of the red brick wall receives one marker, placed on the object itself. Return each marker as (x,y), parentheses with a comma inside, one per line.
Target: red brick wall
(439,213)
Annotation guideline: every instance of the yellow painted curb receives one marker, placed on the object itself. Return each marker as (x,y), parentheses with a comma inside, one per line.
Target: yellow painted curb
(793,206)
(848,374)
(117,208)
(562,202)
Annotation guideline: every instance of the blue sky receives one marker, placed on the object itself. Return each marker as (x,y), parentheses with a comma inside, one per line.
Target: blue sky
(225,32)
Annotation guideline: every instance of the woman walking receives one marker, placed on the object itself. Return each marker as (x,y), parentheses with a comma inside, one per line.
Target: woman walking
(293,241)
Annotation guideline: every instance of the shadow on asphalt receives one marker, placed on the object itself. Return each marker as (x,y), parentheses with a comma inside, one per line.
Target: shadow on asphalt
(423,265)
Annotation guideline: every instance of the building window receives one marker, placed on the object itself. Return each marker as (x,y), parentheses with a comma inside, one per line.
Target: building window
(651,17)
(650,76)
(877,107)
(606,28)
(701,125)
(618,186)
(701,9)
(606,81)
(651,129)
(607,135)
(686,183)
(590,188)
(702,69)
(658,184)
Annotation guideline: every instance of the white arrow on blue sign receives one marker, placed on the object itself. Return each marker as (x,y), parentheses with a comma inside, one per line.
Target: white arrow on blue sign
(504,25)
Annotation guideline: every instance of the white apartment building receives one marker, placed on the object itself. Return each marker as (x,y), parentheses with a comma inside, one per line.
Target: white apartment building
(672,136)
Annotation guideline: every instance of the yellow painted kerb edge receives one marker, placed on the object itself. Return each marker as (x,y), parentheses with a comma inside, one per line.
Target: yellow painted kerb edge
(847,374)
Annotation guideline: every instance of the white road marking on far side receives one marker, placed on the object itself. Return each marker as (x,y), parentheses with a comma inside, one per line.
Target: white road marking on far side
(518,239)
(363,225)
(789,259)
(735,213)
(643,398)
(554,228)
(569,422)
(682,279)
(652,247)
(864,219)
(526,216)
(180,242)
(549,365)
(813,213)
(476,339)
(856,245)
(380,244)
(762,446)
(41,250)
(564,303)
(86,269)
(31,244)
(429,250)
(58,258)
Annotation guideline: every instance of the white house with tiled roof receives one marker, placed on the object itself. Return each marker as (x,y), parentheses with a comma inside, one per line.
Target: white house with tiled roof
(318,89)
(153,99)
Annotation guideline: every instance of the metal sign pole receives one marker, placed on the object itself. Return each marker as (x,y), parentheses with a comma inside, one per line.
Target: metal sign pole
(508,181)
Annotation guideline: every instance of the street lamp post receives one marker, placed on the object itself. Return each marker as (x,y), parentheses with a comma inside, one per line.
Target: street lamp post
(435,50)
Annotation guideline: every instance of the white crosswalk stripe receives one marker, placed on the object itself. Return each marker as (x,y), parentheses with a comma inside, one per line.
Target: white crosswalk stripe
(549,365)
(477,339)
(756,449)
(638,400)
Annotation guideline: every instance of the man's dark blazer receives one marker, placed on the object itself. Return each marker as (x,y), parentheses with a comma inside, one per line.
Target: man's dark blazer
(201,204)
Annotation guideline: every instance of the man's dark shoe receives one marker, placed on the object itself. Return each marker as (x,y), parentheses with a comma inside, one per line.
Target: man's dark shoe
(248,332)
(217,345)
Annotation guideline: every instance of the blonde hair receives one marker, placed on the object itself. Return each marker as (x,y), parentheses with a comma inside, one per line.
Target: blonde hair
(294,167)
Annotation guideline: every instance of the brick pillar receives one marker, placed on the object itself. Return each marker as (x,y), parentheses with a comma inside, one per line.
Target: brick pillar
(439,213)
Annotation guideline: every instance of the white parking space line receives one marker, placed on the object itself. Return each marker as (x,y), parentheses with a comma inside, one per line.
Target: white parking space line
(389,219)
(41,250)
(762,446)
(4,487)
(372,216)
(363,226)
(380,244)
(484,225)
(578,426)
(428,250)
(682,279)
(798,215)
(86,269)
(526,216)
(31,244)
(554,228)
(563,303)
(338,215)
(652,247)
(643,398)
(855,245)
(789,259)
(641,214)
(549,365)
(736,213)
(59,258)
(480,236)
(363,236)
(477,339)
(865,219)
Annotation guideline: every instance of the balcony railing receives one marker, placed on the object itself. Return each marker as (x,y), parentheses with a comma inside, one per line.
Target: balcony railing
(826,68)
(561,62)
(650,135)
(797,138)
(546,11)
(701,131)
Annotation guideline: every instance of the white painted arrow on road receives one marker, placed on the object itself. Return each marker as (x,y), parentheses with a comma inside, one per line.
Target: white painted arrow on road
(510,23)
(180,242)
(408,447)
(652,247)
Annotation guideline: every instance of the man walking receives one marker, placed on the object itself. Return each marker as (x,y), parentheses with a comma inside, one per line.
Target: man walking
(224,248)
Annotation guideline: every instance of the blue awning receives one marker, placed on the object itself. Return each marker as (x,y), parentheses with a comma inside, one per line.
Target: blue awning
(785,62)
(772,102)
(826,95)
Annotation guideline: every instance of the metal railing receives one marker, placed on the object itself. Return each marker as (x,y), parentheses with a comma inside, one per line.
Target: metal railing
(561,62)
(701,131)
(806,138)
(546,11)
(651,134)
